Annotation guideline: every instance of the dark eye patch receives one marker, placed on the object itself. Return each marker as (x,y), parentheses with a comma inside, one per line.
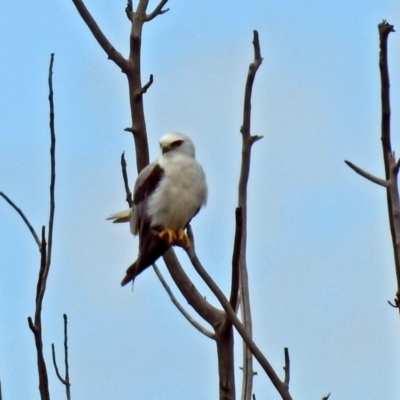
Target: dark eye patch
(177,143)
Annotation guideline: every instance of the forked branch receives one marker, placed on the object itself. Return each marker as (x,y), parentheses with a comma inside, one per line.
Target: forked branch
(65,381)
(157,11)
(391,165)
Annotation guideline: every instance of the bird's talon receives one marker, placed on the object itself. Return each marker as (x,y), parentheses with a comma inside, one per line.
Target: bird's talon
(183,239)
(168,235)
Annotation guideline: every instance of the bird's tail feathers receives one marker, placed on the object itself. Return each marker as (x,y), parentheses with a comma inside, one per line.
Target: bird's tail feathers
(130,274)
(122,216)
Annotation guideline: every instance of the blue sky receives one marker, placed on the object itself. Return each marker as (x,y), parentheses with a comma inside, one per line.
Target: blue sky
(319,254)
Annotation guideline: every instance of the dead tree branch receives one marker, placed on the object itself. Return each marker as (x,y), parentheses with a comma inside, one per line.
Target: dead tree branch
(24,218)
(131,67)
(247,142)
(391,165)
(279,385)
(367,175)
(110,50)
(235,284)
(126,181)
(179,306)
(391,168)
(157,11)
(45,257)
(286,368)
(65,381)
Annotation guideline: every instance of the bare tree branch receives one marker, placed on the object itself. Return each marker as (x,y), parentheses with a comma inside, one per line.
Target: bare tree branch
(391,166)
(286,368)
(236,259)
(126,182)
(45,258)
(179,306)
(326,397)
(53,352)
(247,142)
(52,168)
(367,175)
(112,53)
(147,85)
(36,325)
(22,215)
(157,11)
(279,385)
(65,381)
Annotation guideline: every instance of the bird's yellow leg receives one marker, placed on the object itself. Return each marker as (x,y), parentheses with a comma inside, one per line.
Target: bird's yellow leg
(168,235)
(183,238)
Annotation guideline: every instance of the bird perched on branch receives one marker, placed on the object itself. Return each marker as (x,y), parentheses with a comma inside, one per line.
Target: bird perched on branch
(168,193)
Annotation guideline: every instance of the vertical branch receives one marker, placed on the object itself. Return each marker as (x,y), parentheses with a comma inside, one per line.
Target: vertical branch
(66,357)
(391,167)
(52,168)
(286,368)
(247,142)
(45,258)
(36,325)
(126,181)
(236,259)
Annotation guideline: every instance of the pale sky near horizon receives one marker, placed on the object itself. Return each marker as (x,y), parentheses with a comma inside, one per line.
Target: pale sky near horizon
(319,253)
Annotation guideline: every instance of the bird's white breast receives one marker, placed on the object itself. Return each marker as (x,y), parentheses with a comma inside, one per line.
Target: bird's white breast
(180,193)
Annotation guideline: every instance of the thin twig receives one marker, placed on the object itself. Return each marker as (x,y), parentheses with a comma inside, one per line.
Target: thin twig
(326,397)
(286,368)
(395,305)
(22,215)
(279,385)
(65,381)
(143,90)
(367,175)
(179,306)
(68,387)
(53,352)
(126,182)
(157,11)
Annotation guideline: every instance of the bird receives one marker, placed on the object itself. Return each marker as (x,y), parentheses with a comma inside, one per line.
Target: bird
(167,194)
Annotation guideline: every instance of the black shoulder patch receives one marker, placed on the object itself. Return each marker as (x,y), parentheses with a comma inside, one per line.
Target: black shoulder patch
(149,185)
